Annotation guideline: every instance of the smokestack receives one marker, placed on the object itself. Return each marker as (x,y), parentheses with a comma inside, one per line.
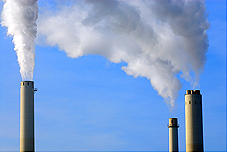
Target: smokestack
(193,121)
(173,135)
(27,116)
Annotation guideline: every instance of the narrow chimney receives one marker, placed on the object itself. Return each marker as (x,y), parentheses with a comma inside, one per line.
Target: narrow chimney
(27,116)
(173,135)
(193,121)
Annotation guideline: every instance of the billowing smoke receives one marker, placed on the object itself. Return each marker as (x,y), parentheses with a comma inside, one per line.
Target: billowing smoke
(20,16)
(157,39)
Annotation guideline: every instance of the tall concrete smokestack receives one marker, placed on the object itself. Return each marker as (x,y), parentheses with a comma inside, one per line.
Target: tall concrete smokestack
(193,121)
(173,135)
(27,116)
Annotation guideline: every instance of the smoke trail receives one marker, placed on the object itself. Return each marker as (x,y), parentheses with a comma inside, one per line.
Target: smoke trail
(157,39)
(20,16)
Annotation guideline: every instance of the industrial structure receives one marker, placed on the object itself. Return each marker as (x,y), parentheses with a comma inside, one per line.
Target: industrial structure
(27,116)
(193,121)
(173,135)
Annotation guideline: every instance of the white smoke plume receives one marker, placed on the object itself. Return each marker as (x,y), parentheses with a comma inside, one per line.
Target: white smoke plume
(157,39)
(20,16)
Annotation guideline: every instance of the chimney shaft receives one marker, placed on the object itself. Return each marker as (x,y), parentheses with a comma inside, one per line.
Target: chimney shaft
(193,121)
(27,116)
(173,135)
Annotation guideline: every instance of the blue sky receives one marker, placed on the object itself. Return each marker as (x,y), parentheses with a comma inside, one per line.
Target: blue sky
(90,104)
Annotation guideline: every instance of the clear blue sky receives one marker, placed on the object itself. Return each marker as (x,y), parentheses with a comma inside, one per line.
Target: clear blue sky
(90,104)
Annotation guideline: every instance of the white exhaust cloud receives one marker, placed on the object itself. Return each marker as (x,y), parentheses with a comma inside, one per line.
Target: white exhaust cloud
(158,39)
(20,16)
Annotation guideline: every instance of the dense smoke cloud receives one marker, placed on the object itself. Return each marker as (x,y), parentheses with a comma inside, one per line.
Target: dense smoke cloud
(157,39)
(20,16)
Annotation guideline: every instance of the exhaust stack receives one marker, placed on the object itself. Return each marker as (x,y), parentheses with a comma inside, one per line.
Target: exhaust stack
(173,135)
(193,121)
(27,116)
